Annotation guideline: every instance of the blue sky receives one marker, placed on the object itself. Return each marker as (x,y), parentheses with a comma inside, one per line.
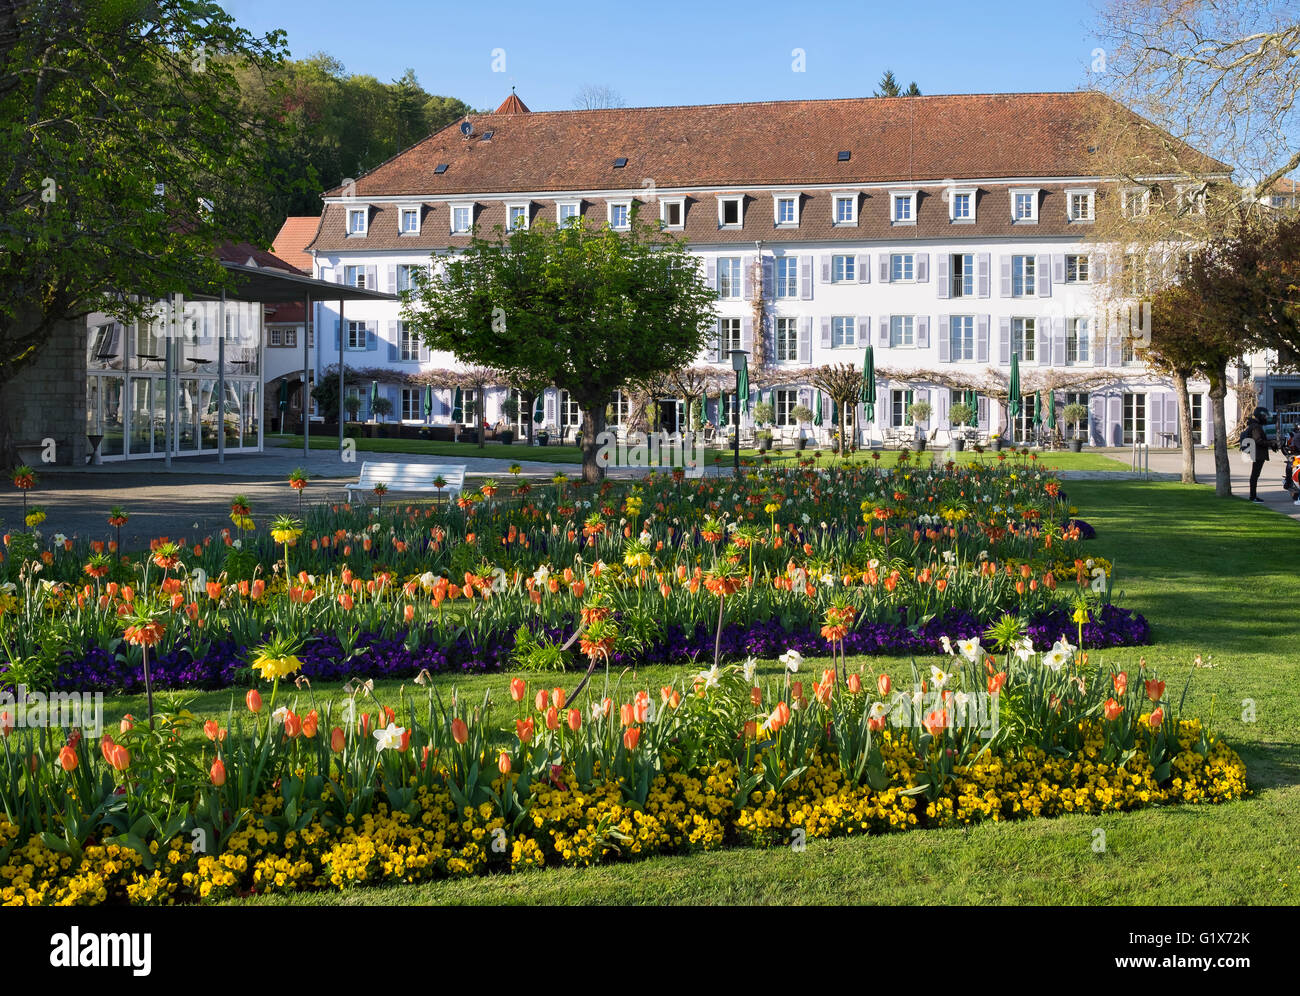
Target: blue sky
(691,53)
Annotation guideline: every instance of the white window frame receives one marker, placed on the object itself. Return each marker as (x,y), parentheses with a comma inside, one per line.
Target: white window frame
(852,220)
(1126,197)
(902,331)
(968,192)
(518,206)
(897,197)
(1186,190)
(1073,216)
(354,327)
(844,268)
(398,270)
(680,203)
(626,205)
(730,335)
(364,214)
(408,393)
(452,221)
(1084,267)
(560,219)
(273,337)
(403,332)
(849,326)
(1033,194)
(777,200)
(967,275)
(1078,333)
(787,288)
(739,201)
(402,214)
(1028,333)
(1027,264)
(738,285)
(954,323)
(895,276)
(290,338)
(358,276)
(784,401)
(785,333)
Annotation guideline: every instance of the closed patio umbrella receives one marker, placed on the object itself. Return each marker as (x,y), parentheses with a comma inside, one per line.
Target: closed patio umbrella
(743,391)
(1013,391)
(817,408)
(1051,409)
(868,393)
(1038,408)
(972,402)
(428,401)
(457,406)
(374,396)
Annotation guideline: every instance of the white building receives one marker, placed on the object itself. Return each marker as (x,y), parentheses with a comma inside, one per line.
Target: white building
(948,232)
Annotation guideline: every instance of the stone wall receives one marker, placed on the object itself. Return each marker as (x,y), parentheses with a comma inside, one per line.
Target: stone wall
(47,400)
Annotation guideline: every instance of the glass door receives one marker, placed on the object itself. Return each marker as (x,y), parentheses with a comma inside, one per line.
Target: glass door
(141,440)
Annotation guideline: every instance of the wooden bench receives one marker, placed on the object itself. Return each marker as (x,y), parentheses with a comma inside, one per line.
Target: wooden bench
(409,477)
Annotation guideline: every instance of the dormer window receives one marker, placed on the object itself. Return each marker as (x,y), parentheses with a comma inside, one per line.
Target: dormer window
(961,206)
(845,210)
(516,216)
(1080,205)
(902,207)
(785,210)
(672,212)
(462,219)
(1134,202)
(1024,206)
(357,220)
(729,212)
(409,221)
(620,215)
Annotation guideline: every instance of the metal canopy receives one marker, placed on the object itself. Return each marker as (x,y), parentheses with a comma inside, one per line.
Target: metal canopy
(273,286)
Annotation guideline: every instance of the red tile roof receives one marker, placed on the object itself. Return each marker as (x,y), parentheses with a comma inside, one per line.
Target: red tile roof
(294,236)
(795,143)
(247,254)
(512,105)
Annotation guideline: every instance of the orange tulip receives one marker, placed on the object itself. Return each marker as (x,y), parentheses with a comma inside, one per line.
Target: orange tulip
(1112,709)
(218,773)
(310,724)
(1121,682)
(118,757)
(756,696)
(68,759)
(127,724)
(855,683)
(1155,690)
(540,700)
(552,718)
(518,688)
(459,731)
(631,737)
(337,740)
(558,698)
(575,719)
(253,700)
(292,724)
(503,763)
(1155,720)
(524,729)
(883,684)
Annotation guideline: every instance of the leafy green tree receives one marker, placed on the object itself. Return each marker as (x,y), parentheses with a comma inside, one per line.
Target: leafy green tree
(587,309)
(126,154)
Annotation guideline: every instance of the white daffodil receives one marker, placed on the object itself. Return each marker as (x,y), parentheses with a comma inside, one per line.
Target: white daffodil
(791,659)
(939,676)
(711,678)
(961,698)
(541,574)
(58,539)
(748,668)
(1055,659)
(1024,649)
(279,714)
(389,738)
(970,649)
(427,580)
(946,644)
(1064,645)
(877,710)
(238,544)
(828,580)
(806,518)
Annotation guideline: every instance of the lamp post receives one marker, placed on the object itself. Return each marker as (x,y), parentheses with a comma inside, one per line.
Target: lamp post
(739,360)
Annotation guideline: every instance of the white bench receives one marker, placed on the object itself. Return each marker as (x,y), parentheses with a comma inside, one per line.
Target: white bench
(409,477)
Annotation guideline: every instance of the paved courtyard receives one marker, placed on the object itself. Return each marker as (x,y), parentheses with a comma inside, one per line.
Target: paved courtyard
(192,498)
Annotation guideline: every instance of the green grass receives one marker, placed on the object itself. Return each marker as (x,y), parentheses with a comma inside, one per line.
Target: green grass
(1216,578)
(571,454)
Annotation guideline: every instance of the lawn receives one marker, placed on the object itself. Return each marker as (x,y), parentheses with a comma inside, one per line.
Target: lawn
(1216,580)
(571,454)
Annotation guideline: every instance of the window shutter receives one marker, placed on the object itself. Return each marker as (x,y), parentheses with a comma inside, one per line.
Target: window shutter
(825,263)
(1004,341)
(1004,266)
(863,268)
(1207,420)
(711,273)
(826,333)
(945,345)
(394,343)
(1058,268)
(338,274)
(550,408)
(941,407)
(882,332)
(884,267)
(982,339)
(1043,275)
(982,411)
(747,275)
(882,406)
(337,336)
(805,278)
(864,330)
(1114,427)
(942,277)
(982,267)
(923,331)
(805,339)
(390,278)
(717,342)
(372,338)
(1058,342)
(747,335)
(1043,341)
(922,267)
(372,277)
(1172,425)
(424,352)
(1114,346)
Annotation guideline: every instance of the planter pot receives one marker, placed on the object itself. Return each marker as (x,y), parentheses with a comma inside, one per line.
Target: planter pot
(506,437)
(543,438)
(1076,445)
(801,444)
(764,445)
(920,446)
(995,445)
(959,443)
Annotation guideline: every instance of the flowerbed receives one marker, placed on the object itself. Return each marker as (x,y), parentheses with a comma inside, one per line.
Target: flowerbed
(652,573)
(294,797)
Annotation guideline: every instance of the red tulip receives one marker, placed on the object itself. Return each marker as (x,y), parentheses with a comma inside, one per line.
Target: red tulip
(1155,690)
(518,688)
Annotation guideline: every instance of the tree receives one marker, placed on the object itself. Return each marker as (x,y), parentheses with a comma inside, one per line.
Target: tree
(126,154)
(587,309)
(889,87)
(592,97)
(843,383)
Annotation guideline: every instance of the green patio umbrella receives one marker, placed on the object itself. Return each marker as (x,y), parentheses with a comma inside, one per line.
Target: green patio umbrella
(1013,388)
(457,406)
(1051,409)
(973,403)
(374,394)
(1038,408)
(284,395)
(743,386)
(428,401)
(835,413)
(817,408)
(868,393)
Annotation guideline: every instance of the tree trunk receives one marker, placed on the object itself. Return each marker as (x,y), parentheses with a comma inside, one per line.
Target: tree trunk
(1185,428)
(530,401)
(1222,469)
(593,425)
